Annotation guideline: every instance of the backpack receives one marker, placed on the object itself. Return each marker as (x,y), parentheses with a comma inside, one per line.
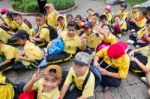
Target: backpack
(56,47)
(52,31)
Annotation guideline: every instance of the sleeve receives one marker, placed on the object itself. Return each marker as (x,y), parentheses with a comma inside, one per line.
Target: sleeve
(37,84)
(44,33)
(9,53)
(113,39)
(142,23)
(69,79)
(125,16)
(89,87)
(100,53)
(123,70)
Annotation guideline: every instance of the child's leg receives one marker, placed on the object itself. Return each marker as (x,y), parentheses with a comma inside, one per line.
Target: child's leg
(62,57)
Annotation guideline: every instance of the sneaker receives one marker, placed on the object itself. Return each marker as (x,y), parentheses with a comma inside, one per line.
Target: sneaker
(144,80)
(119,35)
(130,41)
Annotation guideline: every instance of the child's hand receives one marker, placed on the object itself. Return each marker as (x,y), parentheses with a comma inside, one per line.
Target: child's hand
(131,53)
(133,58)
(36,76)
(96,64)
(103,71)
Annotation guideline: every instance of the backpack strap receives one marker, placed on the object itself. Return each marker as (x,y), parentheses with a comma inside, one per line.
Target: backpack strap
(85,81)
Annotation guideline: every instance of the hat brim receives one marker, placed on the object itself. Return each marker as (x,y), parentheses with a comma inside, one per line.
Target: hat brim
(78,62)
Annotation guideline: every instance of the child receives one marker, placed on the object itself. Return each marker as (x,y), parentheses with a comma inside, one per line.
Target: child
(90,13)
(141,38)
(135,12)
(92,39)
(80,82)
(30,53)
(139,22)
(62,26)
(103,20)
(43,35)
(69,18)
(108,37)
(4,36)
(20,23)
(79,20)
(46,84)
(114,64)
(71,41)
(140,62)
(123,13)
(52,15)
(8,54)
(120,26)
(108,13)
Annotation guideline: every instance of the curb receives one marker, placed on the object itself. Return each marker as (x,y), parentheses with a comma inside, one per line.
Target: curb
(61,12)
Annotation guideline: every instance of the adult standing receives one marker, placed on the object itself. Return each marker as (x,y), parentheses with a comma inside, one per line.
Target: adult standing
(41,4)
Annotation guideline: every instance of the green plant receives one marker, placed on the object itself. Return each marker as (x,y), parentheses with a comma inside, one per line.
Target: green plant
(32,6)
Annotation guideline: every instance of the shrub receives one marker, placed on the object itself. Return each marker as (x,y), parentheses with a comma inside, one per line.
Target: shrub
(32,6)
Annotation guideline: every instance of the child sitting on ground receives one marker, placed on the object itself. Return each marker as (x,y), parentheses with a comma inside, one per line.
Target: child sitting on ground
(123,13)
(108,13)
(46,83)
(80,81)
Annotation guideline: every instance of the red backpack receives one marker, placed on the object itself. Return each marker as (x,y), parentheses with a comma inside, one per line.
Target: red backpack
(30,94)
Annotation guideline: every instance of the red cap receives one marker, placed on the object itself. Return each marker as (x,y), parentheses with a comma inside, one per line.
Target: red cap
(4,10)
(117,50)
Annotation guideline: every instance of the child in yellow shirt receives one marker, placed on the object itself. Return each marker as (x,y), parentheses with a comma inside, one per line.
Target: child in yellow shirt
(30,53)
(114,64)
(46,83)
(108,13)
(43,34)
(80,81)
(90,13)
(123,13)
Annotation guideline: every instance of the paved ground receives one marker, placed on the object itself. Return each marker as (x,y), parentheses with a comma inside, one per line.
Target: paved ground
(131,88)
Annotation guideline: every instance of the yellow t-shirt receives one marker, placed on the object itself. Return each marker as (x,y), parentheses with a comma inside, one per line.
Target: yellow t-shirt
(111,39)
(25,27)
(70,44)
(7,91)
(32,51)
(124,25)
(8,51)
(89,87)
(142,32)
(123,14)
(4,36)
(92,40)
(54,94)
(44,33)
(146,52)
(121,63)
(109,16)
(52,18)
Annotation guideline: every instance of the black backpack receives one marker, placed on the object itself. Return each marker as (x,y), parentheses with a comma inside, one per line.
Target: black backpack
(53,32)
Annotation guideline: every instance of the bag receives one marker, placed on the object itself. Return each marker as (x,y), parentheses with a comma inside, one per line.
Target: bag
(30,94)
(52,31)
(56,47)
(95,70)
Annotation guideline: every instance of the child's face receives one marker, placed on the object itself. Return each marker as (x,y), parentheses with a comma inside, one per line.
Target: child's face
(90,12)
(51,83)
(71,31)
(40,21)
(93,20)
(106,11)
(117,19)
(18,20)
(77,20)
(79,70)
(21,42)
(87,31)
(69,19)
(135,9)
(62,22)
(105,30)
(122,8)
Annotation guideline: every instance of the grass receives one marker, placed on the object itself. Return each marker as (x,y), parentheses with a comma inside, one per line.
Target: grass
(134,2)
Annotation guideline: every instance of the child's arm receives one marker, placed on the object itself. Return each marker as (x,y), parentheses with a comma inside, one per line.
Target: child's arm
(82,97)
(38,39)
(63,91)
(83,41)
(5,62)
(35,78)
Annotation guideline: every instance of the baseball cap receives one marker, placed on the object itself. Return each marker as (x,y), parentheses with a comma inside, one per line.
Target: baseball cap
(82,58)
(53,70)
(108,7)
(87,25)
(117,50)
(136,6)
(21,34)
(124,5)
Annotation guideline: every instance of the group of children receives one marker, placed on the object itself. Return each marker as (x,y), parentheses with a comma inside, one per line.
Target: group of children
(88,42)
